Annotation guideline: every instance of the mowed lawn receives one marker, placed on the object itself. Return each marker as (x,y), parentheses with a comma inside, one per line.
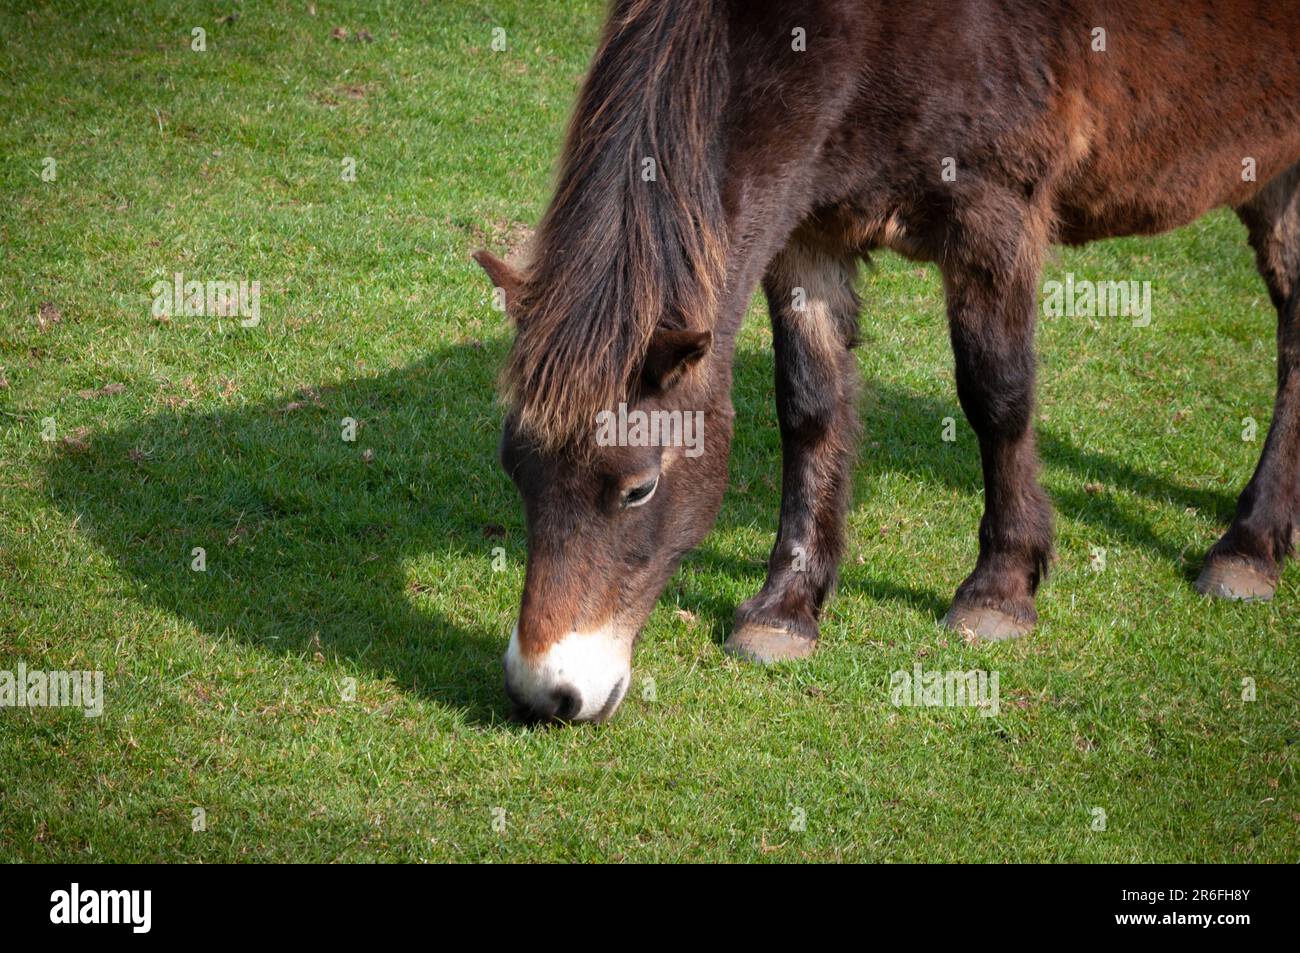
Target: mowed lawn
(329,689)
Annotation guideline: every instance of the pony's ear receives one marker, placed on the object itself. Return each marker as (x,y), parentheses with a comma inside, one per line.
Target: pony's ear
(502,276)
(671,355)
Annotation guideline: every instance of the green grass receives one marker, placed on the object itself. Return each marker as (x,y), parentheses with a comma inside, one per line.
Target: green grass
(226,690)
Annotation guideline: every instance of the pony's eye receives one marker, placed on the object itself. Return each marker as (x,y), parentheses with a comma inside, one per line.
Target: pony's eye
(639,494)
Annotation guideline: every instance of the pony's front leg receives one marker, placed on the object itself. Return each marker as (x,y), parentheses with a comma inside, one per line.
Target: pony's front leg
(814,312)
(991,315)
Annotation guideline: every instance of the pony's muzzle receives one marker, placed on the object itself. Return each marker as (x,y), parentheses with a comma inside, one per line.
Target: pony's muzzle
(583,676)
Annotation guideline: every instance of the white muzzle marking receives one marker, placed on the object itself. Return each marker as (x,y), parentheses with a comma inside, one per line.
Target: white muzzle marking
(595,666)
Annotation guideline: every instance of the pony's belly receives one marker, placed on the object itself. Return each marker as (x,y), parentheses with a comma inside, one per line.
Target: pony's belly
(1129,190)
(1093,217)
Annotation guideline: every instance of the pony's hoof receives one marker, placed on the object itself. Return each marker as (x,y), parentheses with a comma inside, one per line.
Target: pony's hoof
(1235,579)
(985,624)
(766,644)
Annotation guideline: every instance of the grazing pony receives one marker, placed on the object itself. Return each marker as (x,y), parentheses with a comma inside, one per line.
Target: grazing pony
(720,144)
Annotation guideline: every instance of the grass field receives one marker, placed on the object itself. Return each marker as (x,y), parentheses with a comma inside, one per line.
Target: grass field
(329,688)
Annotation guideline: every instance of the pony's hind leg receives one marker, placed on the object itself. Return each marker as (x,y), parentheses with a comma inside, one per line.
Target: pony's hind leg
(1247,562)
(814,312)
(991,284)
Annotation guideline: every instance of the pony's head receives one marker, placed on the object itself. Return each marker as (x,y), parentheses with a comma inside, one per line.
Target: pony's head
(613,498)
(619,419)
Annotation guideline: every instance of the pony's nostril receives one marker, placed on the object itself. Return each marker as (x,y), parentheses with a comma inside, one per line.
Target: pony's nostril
(515,698)
(567,702)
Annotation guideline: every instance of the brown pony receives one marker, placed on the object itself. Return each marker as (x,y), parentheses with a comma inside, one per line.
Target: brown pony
(718,144)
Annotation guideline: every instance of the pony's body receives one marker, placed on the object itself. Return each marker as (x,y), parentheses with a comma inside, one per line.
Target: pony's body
(1144,136)
(969,134)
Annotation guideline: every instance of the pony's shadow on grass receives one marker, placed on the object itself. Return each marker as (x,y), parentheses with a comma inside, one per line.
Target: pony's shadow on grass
(309,538)
(902,435)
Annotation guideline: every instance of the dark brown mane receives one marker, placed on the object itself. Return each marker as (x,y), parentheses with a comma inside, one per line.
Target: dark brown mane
(616,256)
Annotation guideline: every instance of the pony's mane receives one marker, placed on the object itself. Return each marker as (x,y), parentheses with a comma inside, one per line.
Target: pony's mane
(616,256)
